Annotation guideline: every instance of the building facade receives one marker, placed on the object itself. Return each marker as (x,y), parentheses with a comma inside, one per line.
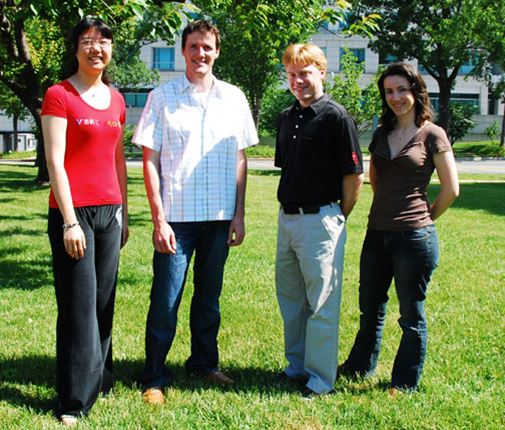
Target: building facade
(170,63)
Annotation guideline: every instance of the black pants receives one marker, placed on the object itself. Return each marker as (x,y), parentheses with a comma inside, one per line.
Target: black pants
(85,293)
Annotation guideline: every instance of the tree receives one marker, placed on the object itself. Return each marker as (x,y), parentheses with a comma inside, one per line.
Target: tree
(460,120)
(32,44)
(362,104)
(33,35)
(256,33)
(275,100)
(440,34)
(491,51)
(12,107)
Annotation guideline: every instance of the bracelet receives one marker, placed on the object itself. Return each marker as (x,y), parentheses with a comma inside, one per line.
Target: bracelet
(65,226)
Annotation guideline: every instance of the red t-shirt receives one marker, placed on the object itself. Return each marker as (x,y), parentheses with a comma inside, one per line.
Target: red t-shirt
(91,140)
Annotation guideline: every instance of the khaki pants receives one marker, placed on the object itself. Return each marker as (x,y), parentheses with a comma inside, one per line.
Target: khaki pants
(309,264)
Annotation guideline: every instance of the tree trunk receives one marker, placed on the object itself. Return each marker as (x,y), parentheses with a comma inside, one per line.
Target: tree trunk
(40,161)
(444,102)
(502,137)
(26,86)
(15,134)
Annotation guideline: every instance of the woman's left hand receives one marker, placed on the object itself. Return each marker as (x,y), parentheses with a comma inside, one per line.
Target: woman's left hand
(449,185)
(125,234)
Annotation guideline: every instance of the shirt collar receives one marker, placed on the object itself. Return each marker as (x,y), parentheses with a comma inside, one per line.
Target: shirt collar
(316,107)
(185,85)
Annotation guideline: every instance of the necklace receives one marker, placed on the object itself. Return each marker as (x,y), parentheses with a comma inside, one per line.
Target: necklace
(401,136)
(398,140)
(85,91)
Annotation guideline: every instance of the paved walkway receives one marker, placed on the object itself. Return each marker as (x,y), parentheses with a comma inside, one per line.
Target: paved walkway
(466,165)
(494,166)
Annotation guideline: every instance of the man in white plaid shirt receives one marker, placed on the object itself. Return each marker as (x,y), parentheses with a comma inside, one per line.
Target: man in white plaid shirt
(194,131)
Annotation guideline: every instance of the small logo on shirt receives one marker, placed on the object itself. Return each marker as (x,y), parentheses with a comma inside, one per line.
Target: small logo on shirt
(355,158)
(96,122)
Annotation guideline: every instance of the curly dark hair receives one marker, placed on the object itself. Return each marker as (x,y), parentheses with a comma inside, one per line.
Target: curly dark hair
(424,110)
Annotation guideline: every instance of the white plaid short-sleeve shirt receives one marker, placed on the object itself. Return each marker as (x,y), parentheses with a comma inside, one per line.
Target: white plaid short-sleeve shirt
(198,142)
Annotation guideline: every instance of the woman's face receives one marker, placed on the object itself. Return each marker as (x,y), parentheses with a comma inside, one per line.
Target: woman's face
(94,51)
(399,96)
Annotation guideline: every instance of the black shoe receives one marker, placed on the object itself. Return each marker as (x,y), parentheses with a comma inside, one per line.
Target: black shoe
(343,370)
(309,395)
(281,377)
(284,377)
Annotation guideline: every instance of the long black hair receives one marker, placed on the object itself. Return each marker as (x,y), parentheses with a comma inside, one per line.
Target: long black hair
(423,108)
(81,27)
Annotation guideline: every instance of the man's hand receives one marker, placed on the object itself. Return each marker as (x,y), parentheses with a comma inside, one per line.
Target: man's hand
(236,233)
(164,239)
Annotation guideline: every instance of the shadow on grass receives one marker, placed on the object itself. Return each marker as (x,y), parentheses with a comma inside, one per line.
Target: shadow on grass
(23,275)
(19,180)
(128,372)
(29,382)
(247,380)
(140,219)
(18,377)
(489,197)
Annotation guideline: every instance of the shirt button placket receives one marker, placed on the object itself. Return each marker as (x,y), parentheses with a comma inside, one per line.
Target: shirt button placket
(297,126)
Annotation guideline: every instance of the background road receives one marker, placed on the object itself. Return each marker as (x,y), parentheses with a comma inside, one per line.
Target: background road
(465,165)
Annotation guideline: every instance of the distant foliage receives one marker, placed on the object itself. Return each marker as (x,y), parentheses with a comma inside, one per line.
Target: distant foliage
(129,131)
(492,131)
(344,88)
(274,102)
(460,120)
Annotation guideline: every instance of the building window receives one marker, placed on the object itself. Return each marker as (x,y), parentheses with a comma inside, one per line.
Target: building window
(135,99)
(466,68)
(387,59)
(358,53)
(164,58)
(492,104)
(470,99)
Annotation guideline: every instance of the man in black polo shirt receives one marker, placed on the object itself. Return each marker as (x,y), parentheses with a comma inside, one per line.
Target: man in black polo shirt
(322,174)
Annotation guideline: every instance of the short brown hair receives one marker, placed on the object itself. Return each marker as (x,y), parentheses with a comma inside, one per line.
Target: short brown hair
(202,27)
(305,53)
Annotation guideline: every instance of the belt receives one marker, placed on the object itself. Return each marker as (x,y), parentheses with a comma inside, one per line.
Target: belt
(303,210)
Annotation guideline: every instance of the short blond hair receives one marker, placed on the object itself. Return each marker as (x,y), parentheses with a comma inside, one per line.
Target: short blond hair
(305,53)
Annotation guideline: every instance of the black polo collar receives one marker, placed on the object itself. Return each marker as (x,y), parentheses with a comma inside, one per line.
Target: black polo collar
(316,107)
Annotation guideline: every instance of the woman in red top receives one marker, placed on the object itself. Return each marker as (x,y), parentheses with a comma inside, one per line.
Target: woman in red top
(401,241)
(82,123)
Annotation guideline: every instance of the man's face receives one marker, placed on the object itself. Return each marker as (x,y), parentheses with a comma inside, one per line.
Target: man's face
(305,82)
(200,52)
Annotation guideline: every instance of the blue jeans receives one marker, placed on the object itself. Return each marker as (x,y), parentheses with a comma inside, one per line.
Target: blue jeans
(208,241)
(410,257)
(85,292)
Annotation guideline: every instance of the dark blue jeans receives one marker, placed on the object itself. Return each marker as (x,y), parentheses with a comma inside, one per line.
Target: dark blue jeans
(85,293)
(410,257)
(208,241)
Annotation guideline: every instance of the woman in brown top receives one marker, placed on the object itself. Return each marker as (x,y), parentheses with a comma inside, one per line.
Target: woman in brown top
(401,240)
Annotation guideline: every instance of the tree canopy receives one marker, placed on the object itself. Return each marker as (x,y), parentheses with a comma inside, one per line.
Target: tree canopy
(256,33)
(345,88)
(33,43)
(490,41)
(33,37)
(440,34)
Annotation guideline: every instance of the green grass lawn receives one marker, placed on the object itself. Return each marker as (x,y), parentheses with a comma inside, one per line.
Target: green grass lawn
(464,378)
